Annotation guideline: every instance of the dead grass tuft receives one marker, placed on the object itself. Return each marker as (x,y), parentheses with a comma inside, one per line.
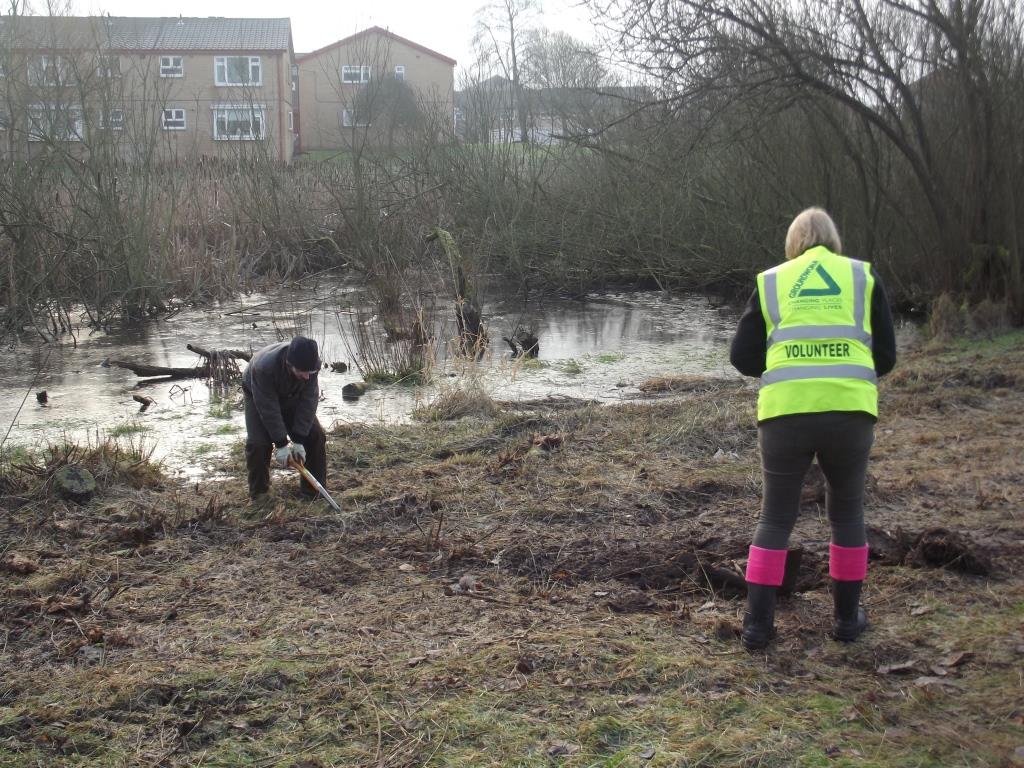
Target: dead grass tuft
(947,319)
(470,399)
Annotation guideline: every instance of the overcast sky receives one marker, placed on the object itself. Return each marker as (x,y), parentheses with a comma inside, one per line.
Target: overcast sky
(446,26)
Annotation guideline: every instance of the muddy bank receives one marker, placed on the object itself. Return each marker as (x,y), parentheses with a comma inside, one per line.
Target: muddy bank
(548,585)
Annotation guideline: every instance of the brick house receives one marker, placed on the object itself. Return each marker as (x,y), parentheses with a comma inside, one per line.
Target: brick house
(374,88)
(179,87)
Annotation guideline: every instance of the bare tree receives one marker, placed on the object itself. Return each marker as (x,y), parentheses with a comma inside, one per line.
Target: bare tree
(500,40)
(926,80)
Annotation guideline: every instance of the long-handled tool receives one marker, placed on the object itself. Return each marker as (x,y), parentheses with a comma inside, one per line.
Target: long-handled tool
(314,482)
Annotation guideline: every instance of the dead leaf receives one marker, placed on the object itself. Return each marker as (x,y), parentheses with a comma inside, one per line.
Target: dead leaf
(926,680)
(561,748)
(406,567)
(54,604)
(956,658)
(525,665)
(939,671)
(548,442)
(921,610)
(15,563)
(647,754)
(415,660)
(900,667)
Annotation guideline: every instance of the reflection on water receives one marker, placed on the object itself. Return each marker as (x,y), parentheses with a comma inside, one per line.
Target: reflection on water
(600,348)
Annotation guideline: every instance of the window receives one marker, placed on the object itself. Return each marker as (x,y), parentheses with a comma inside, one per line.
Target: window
(351,118)
(112,120)
(173,119)
(55,122)
(355,73)
(109,66)
(47,70)
(291,121)
(172,66)
(400,73)
(238,123)
(237,70)
(4,120)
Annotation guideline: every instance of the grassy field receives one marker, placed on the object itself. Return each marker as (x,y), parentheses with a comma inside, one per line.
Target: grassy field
(550,584)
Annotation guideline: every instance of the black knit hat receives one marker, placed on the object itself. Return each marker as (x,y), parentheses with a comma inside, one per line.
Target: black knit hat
(303,355)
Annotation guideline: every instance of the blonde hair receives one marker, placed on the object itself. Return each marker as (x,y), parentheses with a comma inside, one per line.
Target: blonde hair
(812,227)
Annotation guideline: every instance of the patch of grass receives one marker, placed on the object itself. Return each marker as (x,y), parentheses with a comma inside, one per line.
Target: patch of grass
(571,367)
(128,428)
(222,407)
(610,357)
(228,429)
(502,604)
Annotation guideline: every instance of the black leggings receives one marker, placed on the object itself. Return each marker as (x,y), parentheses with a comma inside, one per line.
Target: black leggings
(841,441)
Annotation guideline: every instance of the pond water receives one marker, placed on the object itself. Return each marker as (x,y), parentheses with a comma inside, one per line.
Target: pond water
(598,348)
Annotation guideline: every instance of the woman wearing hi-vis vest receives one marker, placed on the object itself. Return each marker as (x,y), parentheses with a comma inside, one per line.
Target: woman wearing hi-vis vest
(818,332)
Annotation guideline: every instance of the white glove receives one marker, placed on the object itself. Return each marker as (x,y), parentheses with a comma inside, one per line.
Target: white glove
(298,452)
(281,455)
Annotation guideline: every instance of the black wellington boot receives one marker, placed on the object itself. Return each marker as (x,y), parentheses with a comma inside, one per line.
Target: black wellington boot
(759,618)
(850,619)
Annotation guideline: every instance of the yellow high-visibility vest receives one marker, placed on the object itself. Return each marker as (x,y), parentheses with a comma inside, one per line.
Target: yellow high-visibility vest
(817,314)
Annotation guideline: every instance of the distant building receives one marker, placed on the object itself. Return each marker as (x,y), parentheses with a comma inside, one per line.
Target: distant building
(184,86)
(373,88)
(488,111)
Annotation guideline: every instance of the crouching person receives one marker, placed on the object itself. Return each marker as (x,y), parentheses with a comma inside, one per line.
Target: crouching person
(282,393)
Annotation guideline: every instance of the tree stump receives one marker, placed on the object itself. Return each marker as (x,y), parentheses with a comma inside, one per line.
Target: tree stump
(75,483)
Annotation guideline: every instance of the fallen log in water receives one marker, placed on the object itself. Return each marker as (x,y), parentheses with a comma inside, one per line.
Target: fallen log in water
(144,371)
(219,364)
(234,354)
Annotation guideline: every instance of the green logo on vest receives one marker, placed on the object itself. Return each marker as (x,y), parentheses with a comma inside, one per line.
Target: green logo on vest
(831,286)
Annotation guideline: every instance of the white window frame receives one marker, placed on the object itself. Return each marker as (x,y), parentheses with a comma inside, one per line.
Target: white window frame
(222,71)
(108,66)
(255,110)
(291,121)
(35,113)
(174,119)
(169,69)
(349,118)
(112,120)
(400,73)
(355,74)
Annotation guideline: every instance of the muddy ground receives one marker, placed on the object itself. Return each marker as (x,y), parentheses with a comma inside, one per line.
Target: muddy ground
(559,584)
